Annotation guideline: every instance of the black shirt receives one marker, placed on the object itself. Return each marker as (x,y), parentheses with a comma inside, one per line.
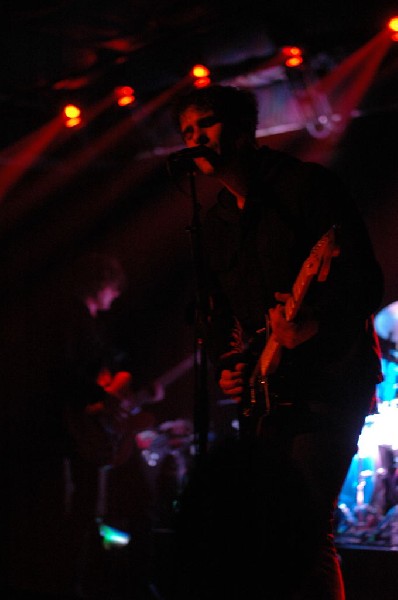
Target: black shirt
(255,252)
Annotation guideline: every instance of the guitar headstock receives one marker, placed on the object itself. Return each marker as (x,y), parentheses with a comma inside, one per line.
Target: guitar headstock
(319,259)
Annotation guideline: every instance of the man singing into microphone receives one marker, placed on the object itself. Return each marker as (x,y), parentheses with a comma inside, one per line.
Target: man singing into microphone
(277,493)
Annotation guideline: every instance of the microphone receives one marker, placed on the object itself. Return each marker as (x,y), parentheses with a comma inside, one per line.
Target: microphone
(190,153)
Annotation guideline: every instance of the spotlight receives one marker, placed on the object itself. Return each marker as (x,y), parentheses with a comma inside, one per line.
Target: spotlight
(72,115)
(201,75)
(200,71)
(293,56)
(202,82)
(393,27)
(124,95)
(113,537)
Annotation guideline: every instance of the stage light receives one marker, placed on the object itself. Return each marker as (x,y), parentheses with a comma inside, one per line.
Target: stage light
(73,122)
(71,111)
(124,95)
(292,51)
(113,537)
(201,75)
(393,27)
(294,61)
(200,71)
(293,56)
(72,114)
(202,82)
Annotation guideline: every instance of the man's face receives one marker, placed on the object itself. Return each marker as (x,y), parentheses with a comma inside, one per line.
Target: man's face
(203,127)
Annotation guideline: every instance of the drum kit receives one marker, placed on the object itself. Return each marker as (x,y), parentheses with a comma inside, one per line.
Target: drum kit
(167,452)
(364,501)
(386,325)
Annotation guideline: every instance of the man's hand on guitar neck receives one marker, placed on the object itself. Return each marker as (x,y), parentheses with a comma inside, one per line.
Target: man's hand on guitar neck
(291,333)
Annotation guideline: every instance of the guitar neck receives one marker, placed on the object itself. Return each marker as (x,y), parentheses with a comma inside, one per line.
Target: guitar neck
(317,265)
(270,355)
(300,289)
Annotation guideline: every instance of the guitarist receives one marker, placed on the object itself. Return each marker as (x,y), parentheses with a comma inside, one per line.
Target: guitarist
(105,476)
(271,211)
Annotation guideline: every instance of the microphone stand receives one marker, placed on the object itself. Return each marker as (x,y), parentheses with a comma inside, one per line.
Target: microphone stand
(202,315)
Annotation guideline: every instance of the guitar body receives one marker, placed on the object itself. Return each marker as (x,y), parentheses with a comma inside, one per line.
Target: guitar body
(263,396)
(267,390)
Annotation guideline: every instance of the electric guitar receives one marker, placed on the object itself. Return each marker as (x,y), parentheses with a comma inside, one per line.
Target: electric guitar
(258,401)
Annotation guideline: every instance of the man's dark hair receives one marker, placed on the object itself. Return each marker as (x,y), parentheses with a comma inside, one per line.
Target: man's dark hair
(235,106)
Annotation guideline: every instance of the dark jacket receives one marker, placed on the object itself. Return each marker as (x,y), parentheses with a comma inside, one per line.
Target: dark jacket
(252,254)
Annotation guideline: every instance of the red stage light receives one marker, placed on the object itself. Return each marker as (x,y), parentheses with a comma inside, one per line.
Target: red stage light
(393,24)
(393,27)
(292,51)
(294,61)
(201,75)
(73,122)
(71,111)
(200,71)
(72,114)
(293,56)
(202,82)
(124,95)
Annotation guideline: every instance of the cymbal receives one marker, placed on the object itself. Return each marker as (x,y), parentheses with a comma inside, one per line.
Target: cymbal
(366,473)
